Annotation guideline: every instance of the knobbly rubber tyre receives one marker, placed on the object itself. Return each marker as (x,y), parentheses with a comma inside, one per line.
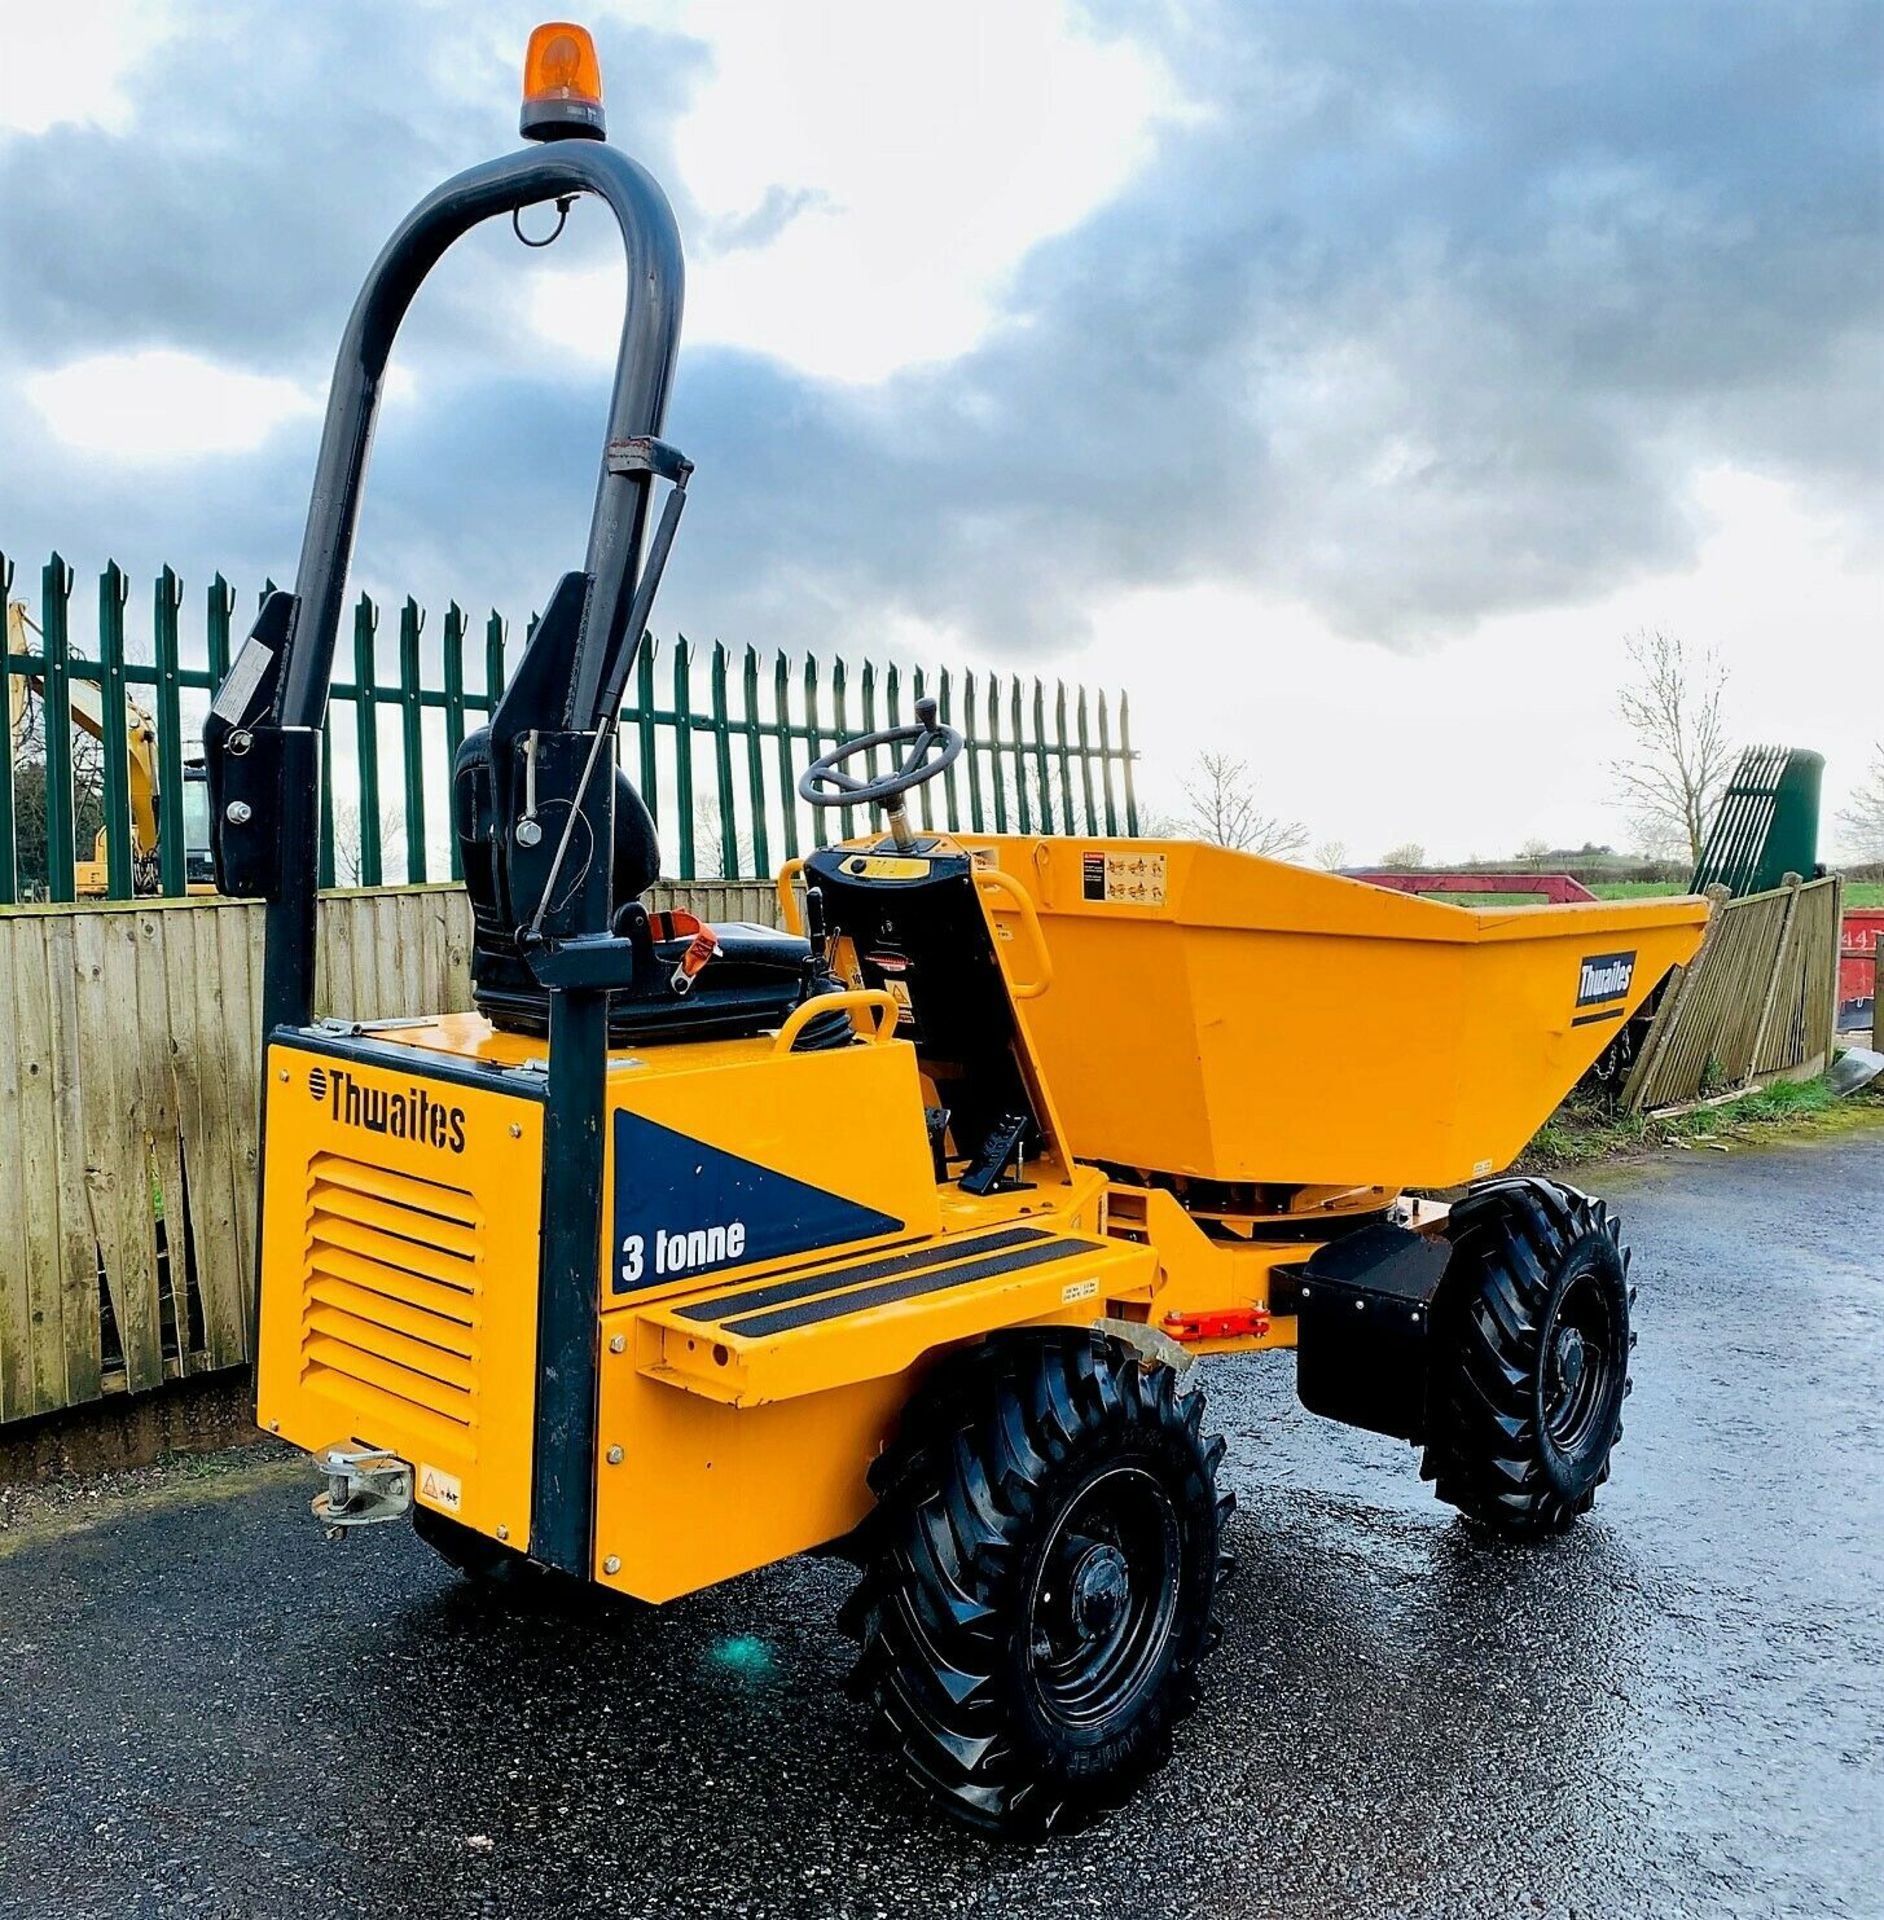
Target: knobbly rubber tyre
(1530,1356)
(475,1555)
(1038,1579)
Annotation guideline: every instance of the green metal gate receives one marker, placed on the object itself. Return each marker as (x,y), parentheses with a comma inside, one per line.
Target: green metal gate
(714,737)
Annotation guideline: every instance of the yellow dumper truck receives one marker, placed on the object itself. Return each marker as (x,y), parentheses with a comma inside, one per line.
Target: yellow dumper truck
(897,1233)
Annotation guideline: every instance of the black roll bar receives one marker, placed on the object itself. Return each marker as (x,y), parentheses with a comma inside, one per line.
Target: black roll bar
(644,371)
(261,739)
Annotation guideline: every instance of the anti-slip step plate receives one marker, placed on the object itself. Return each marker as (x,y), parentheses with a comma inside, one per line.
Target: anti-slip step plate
(725,1307)
(809,1313)
(839,1325)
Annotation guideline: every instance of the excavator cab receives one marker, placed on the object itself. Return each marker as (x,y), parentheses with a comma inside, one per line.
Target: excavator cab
(199,859)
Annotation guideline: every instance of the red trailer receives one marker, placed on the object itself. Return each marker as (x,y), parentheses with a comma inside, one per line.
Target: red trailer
(1558,888)
(1857,968)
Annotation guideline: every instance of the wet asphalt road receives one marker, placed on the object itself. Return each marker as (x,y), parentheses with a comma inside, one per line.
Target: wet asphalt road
(1676,1710)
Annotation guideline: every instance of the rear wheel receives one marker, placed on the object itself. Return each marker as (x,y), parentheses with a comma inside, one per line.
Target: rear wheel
(1038,1579)
(1531,1345)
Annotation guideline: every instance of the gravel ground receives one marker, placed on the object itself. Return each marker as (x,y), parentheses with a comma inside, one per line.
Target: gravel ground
(1675,1710)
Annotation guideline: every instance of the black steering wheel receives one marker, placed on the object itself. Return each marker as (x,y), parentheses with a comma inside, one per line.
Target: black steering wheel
(933,748)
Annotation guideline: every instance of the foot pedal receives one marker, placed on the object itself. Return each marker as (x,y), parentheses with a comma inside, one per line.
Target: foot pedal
(997,1149)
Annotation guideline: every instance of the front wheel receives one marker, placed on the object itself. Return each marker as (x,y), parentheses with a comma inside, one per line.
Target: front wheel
(1531,1345)
(1038,1579)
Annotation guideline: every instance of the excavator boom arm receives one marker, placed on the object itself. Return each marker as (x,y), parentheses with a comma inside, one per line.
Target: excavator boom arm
(88,714)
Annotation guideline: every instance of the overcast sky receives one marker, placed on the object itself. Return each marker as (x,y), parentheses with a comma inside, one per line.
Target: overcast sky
(1342,380)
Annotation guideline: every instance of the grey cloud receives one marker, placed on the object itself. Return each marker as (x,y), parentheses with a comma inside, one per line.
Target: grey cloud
(1428,313)
(234,218)
(1430,318)
(267,159)
(778,207)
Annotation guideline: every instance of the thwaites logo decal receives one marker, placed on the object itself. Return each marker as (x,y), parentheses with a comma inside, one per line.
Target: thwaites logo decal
(683,1208)
(401,1113)
(1604,977)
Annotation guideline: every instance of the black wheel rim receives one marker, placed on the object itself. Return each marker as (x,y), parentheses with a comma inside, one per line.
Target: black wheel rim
(1104,1599)
(1580,1363)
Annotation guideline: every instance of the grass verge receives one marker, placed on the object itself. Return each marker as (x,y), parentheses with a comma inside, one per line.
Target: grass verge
(1578,1133)
(1858,893)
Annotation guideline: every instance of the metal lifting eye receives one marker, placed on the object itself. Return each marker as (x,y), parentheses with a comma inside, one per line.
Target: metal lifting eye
(564,201)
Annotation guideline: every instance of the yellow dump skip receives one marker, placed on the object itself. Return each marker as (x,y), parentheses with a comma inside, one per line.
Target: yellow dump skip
(1224,1016)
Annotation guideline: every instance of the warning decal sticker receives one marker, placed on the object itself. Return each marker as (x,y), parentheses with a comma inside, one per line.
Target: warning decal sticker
(1122,879)
(439,1489)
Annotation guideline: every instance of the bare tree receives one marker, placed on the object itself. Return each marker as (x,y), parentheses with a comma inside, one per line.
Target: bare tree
(1154,825)
(1225,811)
(1331,855)
(715,836)
(87,760)
(1534,852)
(348,871)
(1409,853)
(1863,820)
(1673,710)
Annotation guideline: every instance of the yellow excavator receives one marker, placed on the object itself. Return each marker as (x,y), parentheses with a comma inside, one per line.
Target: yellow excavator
(92,878)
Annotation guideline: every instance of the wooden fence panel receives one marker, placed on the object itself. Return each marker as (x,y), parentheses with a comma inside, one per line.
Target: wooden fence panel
(76,1250)
(32,1236)
(238,938)
(158,1096)
(19,1357)
(129,1097)
(1756,1004)
(199,1063)
(404,951)
(1802,1011)
(113,1144)
(735,900)
(41,1191)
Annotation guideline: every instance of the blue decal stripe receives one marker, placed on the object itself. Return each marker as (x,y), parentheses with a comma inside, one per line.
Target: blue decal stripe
(675,1196)
(835,1306)
(938,1253)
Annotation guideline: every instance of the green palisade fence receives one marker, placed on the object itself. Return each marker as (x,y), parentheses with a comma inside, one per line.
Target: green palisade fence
(715,739)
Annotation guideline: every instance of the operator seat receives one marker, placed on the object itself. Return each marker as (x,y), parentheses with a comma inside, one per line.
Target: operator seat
(754,981)
(756,978)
